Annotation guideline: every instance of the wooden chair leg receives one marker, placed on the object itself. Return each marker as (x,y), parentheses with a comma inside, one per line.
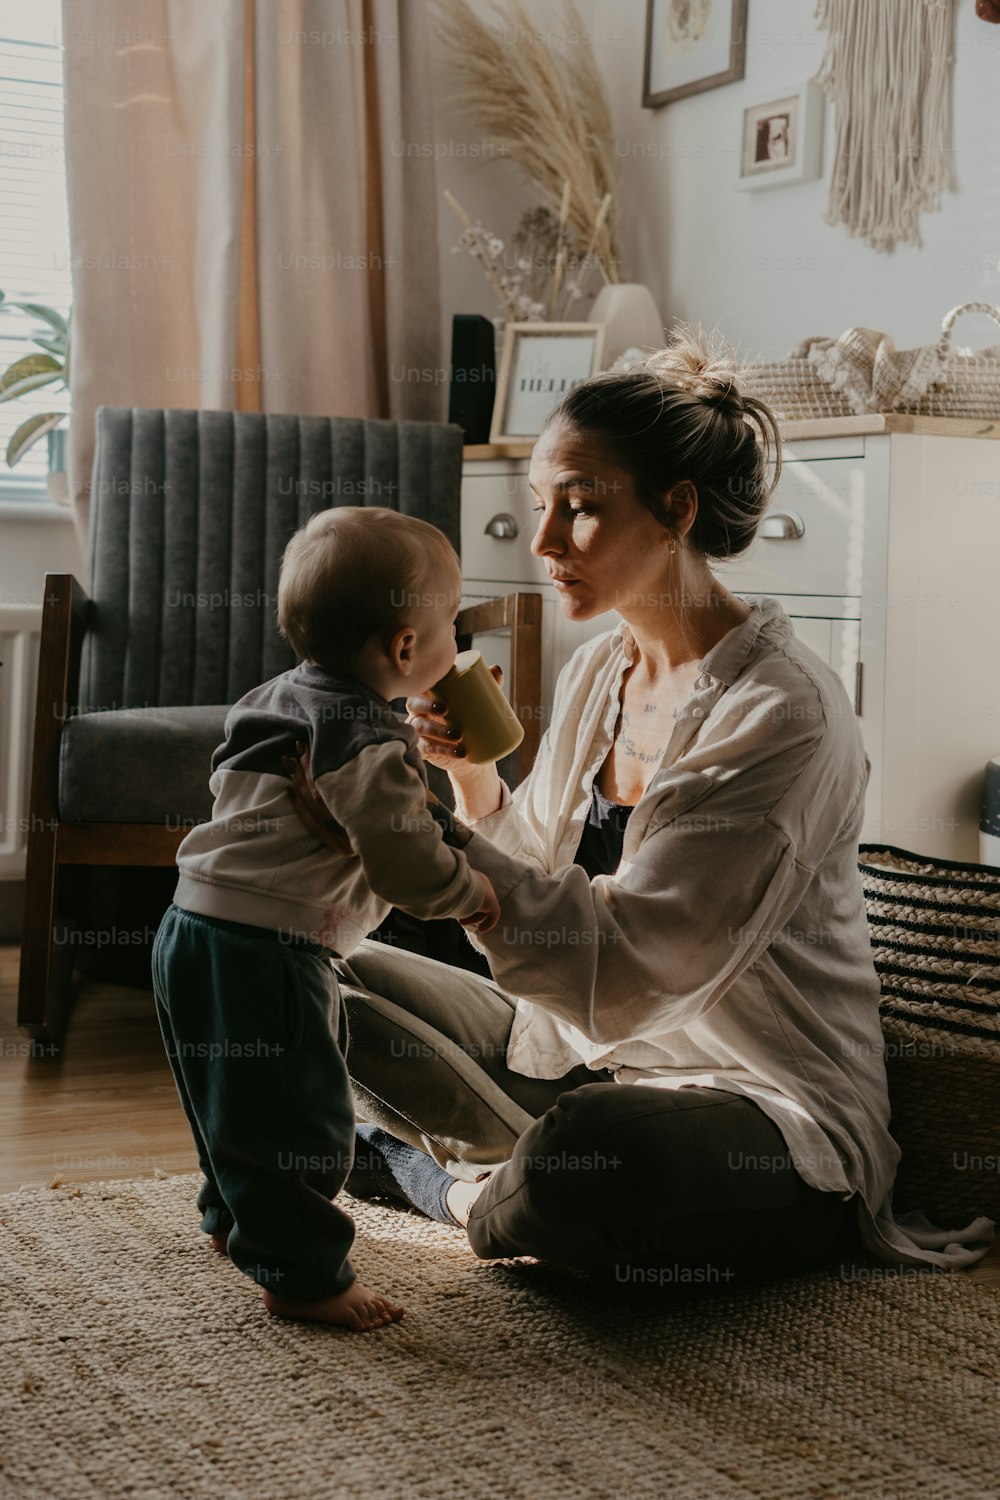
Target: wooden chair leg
(45,986)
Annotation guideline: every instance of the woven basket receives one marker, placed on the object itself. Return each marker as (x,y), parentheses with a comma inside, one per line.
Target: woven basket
(969,384)
(794,389)
(863,372)
(935,933)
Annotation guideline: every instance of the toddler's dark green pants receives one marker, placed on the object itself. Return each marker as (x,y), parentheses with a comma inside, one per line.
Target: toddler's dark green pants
(255,1032)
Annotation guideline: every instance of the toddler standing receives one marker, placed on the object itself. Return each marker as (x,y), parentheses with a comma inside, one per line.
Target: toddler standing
(247,1000)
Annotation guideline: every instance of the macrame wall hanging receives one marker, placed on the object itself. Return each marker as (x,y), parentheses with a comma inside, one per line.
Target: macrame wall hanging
(887,68)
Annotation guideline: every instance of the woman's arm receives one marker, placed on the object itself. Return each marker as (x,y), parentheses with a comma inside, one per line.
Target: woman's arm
(478,795)
(717,876)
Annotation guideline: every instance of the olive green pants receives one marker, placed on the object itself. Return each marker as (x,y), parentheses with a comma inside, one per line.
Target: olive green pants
(692,1185)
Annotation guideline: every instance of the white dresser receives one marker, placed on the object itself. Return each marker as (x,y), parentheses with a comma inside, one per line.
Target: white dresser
(882,542)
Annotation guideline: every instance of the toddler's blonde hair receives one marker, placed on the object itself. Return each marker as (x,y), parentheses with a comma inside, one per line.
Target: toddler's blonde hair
(354,572)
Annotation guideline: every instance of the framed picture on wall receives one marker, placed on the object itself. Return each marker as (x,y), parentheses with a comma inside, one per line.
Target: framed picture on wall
(692,45)
(782,138)
(538,365)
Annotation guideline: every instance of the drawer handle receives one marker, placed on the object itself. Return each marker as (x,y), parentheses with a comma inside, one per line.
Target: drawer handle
(783,526)
(502,525)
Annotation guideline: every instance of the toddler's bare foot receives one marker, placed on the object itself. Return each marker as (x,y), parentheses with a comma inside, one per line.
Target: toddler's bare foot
(220,1243)
(358,1309)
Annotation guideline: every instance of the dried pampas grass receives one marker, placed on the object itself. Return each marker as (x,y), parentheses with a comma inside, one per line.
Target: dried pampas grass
(544,106)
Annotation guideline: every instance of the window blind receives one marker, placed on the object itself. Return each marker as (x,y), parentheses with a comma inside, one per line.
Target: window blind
(34,233)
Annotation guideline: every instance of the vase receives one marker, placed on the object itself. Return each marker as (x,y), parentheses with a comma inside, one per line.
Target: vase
(57,480)
(630,316)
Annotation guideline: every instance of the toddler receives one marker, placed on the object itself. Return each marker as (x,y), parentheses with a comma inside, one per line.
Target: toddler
(247,1000)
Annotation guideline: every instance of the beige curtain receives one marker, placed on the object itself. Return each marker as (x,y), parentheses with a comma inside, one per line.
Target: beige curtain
(252,210)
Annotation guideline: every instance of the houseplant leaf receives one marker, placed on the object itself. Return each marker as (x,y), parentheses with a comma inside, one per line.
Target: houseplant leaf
(30,432)
(55,345)
(28,373)
(47,314)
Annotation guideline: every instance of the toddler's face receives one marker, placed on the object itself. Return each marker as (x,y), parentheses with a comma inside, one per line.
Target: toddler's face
(434,623)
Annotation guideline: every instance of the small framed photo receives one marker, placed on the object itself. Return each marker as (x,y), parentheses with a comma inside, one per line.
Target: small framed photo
(692,45)
(783,138)
(538,365)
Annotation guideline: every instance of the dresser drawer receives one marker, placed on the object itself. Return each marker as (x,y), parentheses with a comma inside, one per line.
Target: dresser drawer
(824,499)
(499,490)
(831,628)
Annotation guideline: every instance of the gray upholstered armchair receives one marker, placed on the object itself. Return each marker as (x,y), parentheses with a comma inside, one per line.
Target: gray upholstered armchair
(190,514)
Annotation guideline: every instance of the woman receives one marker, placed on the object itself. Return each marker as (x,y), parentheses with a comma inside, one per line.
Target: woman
(681,910)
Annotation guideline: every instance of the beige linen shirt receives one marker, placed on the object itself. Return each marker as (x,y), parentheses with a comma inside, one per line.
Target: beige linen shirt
(730,949)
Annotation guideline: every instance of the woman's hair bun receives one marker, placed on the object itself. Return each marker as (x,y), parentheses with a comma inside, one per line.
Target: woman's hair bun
(684,413)
(701,365)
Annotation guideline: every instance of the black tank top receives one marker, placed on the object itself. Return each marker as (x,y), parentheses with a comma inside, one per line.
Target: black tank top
(600,848)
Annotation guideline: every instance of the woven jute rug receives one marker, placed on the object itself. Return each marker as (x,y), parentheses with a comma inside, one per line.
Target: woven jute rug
(134,1362)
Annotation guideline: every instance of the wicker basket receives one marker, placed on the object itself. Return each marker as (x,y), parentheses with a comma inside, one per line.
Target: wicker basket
(862,372)
(794,389)
(935,933)
(968,384)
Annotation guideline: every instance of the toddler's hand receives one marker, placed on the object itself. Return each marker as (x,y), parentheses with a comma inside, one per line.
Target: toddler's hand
(488,915)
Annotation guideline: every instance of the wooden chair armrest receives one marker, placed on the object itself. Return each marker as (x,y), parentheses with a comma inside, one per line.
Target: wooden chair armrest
(521,614)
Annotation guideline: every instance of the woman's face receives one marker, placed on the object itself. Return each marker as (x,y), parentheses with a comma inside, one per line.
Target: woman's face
(599,543)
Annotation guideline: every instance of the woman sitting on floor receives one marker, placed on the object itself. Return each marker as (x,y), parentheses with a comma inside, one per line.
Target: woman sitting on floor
(681,908)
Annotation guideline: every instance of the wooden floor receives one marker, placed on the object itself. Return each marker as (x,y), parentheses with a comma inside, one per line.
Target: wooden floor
(106,1106)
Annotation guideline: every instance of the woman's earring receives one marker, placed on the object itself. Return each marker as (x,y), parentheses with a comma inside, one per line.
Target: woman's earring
(673,545)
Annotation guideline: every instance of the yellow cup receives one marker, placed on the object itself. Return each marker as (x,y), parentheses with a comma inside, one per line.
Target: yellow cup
(475,704)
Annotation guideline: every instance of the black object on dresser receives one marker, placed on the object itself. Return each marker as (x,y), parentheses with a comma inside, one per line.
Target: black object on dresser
(473,376)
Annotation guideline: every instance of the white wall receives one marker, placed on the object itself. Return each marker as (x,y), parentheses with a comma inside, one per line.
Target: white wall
(32,545)
(765,265)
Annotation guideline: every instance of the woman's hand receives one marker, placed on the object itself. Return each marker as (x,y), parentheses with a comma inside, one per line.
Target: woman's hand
(440,744)
(310,809)
(478,789)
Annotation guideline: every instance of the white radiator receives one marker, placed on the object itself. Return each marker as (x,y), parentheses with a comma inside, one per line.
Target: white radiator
(20,631)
